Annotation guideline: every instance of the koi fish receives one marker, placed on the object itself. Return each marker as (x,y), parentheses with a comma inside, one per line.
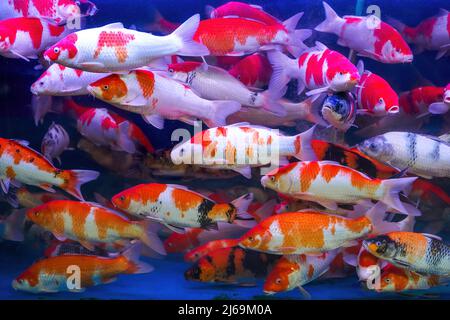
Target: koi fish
(250,36)
(50,275)
(55,142)
(329,183)
(231,265)
(339,110)
(113,48)
(419,252)
(68,247)
(59,80)
(240,147)
(424,100)
(22,164)
(157,97)
(295,271)
(89,223)
(318,69)
(431,34)
(213,83)
(242,10)
(99,126)
(312,232)
(59,11)
(395,279)
(375,95)
(26,38)
(422,155)
(368,36)
(201,251)
(253,71)
(177,207)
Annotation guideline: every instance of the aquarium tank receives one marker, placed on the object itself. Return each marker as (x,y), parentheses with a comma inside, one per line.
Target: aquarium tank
(214,150)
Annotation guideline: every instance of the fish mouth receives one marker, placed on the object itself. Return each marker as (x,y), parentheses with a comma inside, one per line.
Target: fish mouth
(408,59)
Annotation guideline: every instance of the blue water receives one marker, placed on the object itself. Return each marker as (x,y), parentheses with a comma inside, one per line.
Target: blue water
(167,281)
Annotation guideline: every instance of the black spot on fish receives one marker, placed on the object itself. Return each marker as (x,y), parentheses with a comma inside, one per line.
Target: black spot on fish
(412,149)
(203,210)
(435,155)
(231,267)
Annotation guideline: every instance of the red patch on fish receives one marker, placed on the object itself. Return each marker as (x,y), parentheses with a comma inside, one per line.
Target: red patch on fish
(114,39)
(55,31)
(32,26)
(185,67)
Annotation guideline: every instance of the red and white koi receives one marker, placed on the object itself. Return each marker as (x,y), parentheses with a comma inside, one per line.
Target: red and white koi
(113,48)
(238,36)
(368,36)
(318,69)
(240,147)
(329,183)
(59,11)
(59,80)
(375,95)
(157,97)
(431,34)
(295,271)
(424,100)
(22,164)
(27,38)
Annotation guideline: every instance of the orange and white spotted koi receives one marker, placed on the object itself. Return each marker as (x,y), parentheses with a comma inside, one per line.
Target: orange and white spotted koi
(22,164)
(89,223)
(50,275)
(419,252)
(178,207)
(59,80)
(295,271)
(395,279)
(329,183)
(312,232)
(239,147)
(113,48)
(157,97)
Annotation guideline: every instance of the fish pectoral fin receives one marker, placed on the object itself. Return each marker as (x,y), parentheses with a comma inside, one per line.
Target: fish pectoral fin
(188,120)
(351,243)
(175,228)
(432,236)
(47,187)
(81,290)
(71,89)
(314,254)
(87,245)
(139,101)
(19,55)
(328,204)
(402,263)
(109,280)
(155,120)
(318,91)
(304,293)
(212,226)
(247,284)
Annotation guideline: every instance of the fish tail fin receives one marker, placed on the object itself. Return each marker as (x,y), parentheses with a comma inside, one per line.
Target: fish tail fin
(209,11)
(270,103)
(303,145)
(185,34)
(132,255)
(393,187)
(74,179)
(150,236)
(243,218)
(14,225)
(296,37)
(221,111)
(332,19)
(377,215)
(125,143)
(282,66)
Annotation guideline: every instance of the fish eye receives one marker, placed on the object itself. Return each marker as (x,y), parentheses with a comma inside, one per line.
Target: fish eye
(239,77)
(170,244)
(380,100)
(41,83)
(37,213)
(272,178)
(56,50)
(387,280)
(278,281)
(250,238)
(106,87)
(341,73)
(378,243)
(373,146)
(171,70)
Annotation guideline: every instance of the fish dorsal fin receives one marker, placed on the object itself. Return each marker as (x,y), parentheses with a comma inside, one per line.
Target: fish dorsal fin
(443,11)
(115,25)
(97,205)
(360,67)
(239,124)
(320,46)
(25,143)
(432,236)
(177,186)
